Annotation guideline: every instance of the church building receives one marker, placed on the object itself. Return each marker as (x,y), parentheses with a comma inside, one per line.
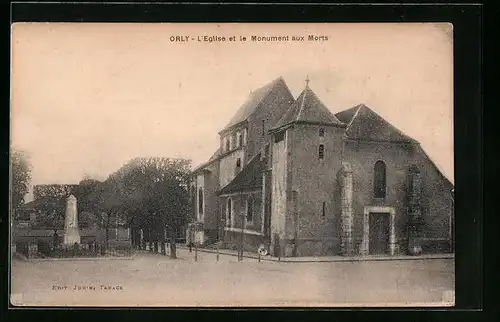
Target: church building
(292,176)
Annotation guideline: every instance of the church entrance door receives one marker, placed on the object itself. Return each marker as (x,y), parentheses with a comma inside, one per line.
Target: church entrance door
(379,233)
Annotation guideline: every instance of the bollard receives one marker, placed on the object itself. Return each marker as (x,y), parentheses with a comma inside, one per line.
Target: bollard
(217,253)
(259,257)
(195,253)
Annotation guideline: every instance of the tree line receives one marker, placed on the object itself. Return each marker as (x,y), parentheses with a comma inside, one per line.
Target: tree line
(145,193)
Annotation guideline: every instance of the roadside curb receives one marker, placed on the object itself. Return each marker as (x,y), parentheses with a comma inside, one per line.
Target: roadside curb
(331,260)
(24,258)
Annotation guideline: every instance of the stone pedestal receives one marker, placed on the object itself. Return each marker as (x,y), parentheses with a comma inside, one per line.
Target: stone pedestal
(71,232)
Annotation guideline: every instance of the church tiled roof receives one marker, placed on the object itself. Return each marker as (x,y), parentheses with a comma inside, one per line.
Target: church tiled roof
(249,178)
(308,108)
(214,157)
(253,101)
(364,124)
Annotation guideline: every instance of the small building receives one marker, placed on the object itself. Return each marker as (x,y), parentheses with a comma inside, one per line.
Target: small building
(303,181)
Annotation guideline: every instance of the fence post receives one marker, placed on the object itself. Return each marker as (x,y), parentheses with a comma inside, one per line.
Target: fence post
(217,252)
(259,257)
(195,252)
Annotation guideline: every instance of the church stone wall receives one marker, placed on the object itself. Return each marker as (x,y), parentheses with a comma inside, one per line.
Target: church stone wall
(362,156)
(208,180)
(211,180)
(398,158)
(278,183)
(314,182)
(270,110)
(437,206)
(228,168)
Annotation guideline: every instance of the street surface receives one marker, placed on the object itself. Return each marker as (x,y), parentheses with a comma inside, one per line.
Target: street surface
(155,280)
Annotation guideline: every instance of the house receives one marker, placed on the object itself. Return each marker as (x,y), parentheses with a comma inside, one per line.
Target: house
(291,175)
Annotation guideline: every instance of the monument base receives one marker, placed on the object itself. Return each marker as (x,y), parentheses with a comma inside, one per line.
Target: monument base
(71,236)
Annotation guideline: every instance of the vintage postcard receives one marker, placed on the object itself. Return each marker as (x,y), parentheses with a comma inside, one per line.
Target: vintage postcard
(232,164)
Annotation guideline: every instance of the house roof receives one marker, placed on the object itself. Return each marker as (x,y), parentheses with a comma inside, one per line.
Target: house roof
(308,108)
(250,176)
(253,101)
(364,124)
(43,201)
(217,154)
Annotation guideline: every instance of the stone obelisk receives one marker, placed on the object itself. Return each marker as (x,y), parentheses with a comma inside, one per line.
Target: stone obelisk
(71,233)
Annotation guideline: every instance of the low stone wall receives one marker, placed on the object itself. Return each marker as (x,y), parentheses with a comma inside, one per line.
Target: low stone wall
(315,248)
(251,243)
(436,246)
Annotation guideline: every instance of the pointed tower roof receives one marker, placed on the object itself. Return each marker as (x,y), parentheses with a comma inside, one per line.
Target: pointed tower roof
(253,101)
(308,108)
(364,124)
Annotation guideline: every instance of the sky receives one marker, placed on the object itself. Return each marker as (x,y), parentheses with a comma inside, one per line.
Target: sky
(88,97)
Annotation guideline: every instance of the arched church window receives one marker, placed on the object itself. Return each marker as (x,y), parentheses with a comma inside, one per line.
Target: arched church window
(321,152)
(238,162)
(321,132)
(200,200)
(229,209)
(379,179)
(227,144)
(249,216)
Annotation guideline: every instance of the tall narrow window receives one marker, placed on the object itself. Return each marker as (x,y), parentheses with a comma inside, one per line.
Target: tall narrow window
(200,200)
(250,210)
(379,179)
(238,162)
(240,139)
(228,212)
(323,210)
(263,128)
(193,198)
(321,132)
(227,144)
(245,134)
(321,152)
